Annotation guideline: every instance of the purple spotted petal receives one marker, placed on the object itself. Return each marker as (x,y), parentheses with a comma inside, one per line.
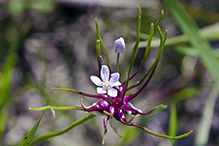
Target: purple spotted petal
(130,109)
(112,110)
(120,116)
(101,106)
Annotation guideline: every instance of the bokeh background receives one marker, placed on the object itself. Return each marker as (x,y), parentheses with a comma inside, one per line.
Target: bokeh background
(45,44)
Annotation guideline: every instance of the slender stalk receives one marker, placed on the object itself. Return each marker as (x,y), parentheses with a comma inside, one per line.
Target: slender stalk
(154,65)
(173,121)
(145,75)
(81,93)
(103,45)
(107,113)
(53,134)
(155,109)
(131,96)
(55,108)
(99,58)
(134,52)
(117,62)
(109,99)
(204,126)
(146,51)
(160,135)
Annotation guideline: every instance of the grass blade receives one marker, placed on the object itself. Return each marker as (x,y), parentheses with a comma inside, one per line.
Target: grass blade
(188,26)
(173,121)
(205,123)
(32,132)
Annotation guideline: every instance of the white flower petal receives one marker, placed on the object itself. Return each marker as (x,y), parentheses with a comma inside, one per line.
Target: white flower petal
(112,92)
(96,80)
(114,78)
(101,90)
(116,84)
(104,73)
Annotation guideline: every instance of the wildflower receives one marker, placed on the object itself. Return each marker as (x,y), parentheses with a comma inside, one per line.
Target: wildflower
(115,106)
(106,85)
(119,45)
(113,100)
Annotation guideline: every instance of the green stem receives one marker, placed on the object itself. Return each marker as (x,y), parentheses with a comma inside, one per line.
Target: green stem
(55,108)
(53,134)
(173,121)
(107,113)
(117,62)
(156,108)
(134,52)
(154,65)
(103,45)
(98,54)
(189,27)
(160,135)
(146,51)
(109,99)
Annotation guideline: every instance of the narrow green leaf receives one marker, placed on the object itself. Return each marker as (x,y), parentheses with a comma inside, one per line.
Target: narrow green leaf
(173,121)
(191,30)
(205,124)
(55,108)
(135,50)
(183,95)
(207,33)
(189,51)
(102,44)
(32,132)
(53,134)
(98,52)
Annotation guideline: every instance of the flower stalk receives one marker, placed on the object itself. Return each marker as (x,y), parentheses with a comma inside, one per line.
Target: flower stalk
(102,44)
(99,57)
(134,52)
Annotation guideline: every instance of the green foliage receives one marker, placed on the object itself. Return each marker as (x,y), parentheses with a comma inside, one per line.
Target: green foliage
(193,43)
(70,127)
(206,120)
(190,29)
(16,7)
(173,121)
(32,132)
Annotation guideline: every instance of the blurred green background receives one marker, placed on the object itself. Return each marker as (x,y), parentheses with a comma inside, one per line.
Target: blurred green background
(45,44)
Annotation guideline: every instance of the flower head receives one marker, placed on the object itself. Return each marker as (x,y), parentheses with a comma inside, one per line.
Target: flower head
(106,85)
(119,45)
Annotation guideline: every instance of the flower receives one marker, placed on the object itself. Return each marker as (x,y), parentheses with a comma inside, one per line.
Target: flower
(106,85)
(114,101)
(119,45)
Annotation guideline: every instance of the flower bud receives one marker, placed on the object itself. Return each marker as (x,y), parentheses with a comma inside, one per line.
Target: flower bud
(119,45)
